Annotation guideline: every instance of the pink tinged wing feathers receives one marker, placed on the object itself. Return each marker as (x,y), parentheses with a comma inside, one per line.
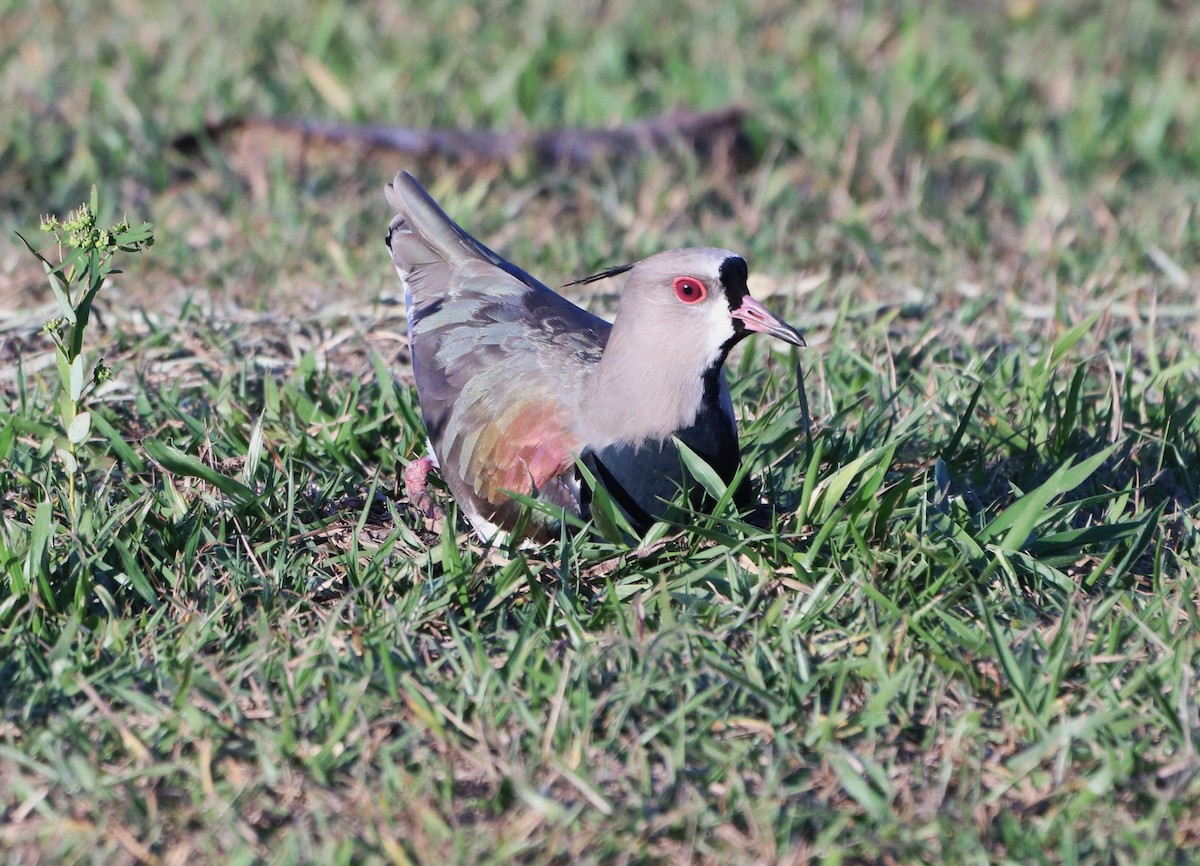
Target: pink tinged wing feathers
(495,421)
(524,450)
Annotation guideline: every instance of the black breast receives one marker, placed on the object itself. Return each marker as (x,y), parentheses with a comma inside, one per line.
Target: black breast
(644,479)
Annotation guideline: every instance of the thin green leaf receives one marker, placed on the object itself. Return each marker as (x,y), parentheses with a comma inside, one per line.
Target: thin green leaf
(1008,661)
(254,451)
(830,490)
(1019,519)
(117,442)
(701,471)
(134,572)
(858,787)
(811,476)
(178,463)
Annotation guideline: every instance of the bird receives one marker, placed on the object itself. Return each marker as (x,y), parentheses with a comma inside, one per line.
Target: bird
(519,387)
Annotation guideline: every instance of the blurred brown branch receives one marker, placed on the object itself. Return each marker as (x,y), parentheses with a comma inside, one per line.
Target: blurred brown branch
(702,130)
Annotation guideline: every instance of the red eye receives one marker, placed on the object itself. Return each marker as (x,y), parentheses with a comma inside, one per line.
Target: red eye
(690,290)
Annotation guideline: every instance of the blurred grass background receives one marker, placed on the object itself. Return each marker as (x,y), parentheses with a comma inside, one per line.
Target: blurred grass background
(983,213)
(1066,129)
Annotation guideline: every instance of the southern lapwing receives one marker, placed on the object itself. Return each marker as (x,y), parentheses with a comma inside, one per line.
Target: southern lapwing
(518,385)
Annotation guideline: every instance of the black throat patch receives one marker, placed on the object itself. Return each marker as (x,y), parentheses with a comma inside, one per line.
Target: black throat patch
(733,280)
(733,274)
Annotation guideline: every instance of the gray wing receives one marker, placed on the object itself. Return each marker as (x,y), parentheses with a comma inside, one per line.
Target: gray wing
(497,357)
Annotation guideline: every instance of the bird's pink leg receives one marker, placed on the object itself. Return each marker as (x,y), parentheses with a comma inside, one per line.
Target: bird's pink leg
(415,475)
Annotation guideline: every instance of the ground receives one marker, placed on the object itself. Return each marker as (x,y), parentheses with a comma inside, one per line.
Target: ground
(967,630)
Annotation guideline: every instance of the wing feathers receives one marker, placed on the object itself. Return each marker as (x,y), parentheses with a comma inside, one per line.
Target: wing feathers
(420,215)
(495,355)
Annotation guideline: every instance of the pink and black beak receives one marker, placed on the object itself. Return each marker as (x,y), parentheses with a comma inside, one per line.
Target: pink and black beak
(755,317)
(748,314)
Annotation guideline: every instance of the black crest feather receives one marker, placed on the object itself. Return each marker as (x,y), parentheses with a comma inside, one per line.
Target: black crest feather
(603,275)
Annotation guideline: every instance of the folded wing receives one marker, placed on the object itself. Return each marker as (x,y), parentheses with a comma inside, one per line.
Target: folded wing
(496,356)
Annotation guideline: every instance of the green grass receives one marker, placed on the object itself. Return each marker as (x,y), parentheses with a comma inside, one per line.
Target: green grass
(970,633)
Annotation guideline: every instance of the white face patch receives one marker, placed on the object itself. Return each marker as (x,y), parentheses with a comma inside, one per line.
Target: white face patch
(709,324)
(651,381)
(720,318)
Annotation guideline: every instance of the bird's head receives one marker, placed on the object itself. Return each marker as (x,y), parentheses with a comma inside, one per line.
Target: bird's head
(680,313)
(697,301)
